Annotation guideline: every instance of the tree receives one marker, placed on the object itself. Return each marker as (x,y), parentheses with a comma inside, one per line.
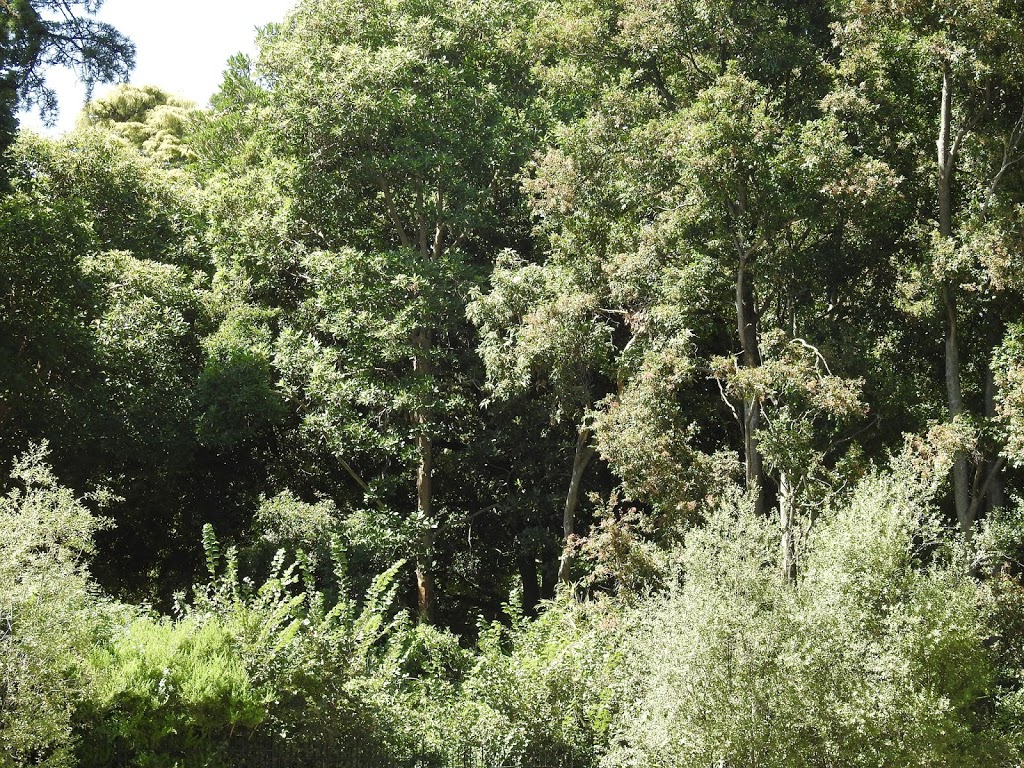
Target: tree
(103,347)
(147,339)
(971,52)
(403,125)
(46,352)
(1009,376)
(38,34)
(701,187)
(129,203)
(153,121)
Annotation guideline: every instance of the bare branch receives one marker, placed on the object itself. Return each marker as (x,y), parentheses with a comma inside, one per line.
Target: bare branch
(967,128)
(727,401)
(979,495)
(369,494)
(1010,147)
(817,354)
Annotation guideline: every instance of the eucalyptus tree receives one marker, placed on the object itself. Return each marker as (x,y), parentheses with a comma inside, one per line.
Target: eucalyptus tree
(705,185)
(961,148)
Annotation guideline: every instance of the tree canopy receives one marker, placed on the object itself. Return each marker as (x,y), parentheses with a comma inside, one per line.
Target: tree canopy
(594,383)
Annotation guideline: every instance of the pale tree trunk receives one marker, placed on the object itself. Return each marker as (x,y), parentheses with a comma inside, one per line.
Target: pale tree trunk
(947,149)
(425,586)
(996,491)
(787,523)
(584,453)
(746,320)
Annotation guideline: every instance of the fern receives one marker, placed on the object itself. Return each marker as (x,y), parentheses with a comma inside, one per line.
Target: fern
(370,627)
(343,611)
(211,548)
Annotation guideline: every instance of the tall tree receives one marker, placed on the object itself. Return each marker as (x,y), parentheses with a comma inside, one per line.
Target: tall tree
(103,310)
(403,125)
(971,52)
(705,187)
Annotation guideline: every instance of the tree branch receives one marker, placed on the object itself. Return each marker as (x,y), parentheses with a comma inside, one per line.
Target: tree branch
(979,496)
(389,201)
(369,494)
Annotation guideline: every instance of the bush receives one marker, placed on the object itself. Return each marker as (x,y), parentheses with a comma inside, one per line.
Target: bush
(168,689)
(875,657)
(245,667)
(539,691)
(50,613)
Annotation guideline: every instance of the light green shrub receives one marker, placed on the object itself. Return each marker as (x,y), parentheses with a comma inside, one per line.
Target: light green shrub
(50,613)
(245,666)
(540,690)
(168,691)
(875,657)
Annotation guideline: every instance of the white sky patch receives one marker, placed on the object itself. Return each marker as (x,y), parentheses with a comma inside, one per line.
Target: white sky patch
(181,47)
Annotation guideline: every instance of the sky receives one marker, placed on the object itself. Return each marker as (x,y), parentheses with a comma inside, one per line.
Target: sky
(182,47)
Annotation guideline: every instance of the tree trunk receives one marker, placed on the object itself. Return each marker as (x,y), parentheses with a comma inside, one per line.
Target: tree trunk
(787,523)
(426,589)
(425,586)
(531,584)
(996,491)
(946,158)
(961,470)
(584,453)
(746,321)
(549,566)
(946,167)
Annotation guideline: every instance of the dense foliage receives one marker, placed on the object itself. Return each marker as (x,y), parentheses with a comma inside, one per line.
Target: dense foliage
(628,382)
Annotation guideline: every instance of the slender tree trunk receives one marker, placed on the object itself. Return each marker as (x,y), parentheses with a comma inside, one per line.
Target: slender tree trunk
(961,470)
(426,590)
(946,167)
(426,585)
(746,320)
(584,453)
(997,490)
(945,155)
(531,584)
(549,575)
(787,523)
